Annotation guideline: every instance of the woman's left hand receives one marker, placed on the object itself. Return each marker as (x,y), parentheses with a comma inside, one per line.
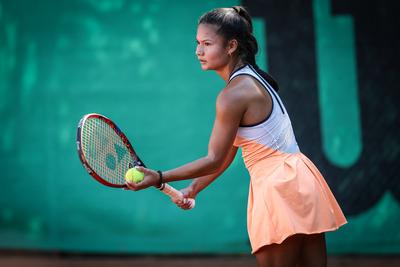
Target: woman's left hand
(151,178)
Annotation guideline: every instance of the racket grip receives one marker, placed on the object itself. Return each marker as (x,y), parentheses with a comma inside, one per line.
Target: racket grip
(175,194)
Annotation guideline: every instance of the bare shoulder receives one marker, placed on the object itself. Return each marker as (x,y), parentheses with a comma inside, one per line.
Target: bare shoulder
(237,91)
(245,98)
(233,100)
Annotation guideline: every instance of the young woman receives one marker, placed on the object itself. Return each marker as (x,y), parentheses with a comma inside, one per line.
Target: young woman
(290,206)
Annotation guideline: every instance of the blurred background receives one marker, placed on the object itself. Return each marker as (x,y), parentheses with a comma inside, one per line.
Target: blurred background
(134,61)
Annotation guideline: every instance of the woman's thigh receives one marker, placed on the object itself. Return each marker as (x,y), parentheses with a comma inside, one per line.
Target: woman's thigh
(313,253)
(286,254)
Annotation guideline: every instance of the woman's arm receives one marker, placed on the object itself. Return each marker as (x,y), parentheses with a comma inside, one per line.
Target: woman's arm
(230,108)
(228,116)
(200,183)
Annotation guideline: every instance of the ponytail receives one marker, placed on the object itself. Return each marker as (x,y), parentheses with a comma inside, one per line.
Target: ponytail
(250,46)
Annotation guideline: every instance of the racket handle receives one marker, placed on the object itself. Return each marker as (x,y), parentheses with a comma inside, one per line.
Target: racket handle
(175,194)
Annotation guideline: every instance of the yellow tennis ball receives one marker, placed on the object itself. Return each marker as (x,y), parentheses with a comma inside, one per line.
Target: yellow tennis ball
(134,176)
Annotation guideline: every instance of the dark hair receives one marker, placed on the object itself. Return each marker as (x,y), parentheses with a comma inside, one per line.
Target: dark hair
(235,23)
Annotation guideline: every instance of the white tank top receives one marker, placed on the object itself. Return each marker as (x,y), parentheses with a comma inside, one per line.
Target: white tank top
(275,133)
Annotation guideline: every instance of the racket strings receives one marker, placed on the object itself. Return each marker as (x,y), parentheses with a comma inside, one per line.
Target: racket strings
(105,151)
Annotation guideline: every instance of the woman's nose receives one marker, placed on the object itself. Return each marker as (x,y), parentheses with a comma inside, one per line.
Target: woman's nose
(199,50)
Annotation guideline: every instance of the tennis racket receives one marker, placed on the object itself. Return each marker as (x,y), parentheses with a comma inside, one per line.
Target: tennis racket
(107,154)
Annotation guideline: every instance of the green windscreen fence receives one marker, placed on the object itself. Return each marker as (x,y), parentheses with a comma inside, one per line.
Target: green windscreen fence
(134,62)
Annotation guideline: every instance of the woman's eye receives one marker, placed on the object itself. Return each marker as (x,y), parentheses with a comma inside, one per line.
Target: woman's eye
(207,44)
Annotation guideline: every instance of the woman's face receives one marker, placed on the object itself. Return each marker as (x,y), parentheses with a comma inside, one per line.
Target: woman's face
(211,48)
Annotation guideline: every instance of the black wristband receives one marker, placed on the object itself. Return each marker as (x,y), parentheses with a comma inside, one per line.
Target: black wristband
(161,178)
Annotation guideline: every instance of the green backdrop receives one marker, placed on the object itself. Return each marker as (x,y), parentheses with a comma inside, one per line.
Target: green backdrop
(134,62)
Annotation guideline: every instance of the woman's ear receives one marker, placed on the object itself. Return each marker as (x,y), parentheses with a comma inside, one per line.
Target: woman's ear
(232,46)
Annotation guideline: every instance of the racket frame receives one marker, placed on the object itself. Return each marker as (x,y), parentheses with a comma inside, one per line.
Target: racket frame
(89,169)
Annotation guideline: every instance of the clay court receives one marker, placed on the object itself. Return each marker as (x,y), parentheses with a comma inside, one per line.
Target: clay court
(28,259)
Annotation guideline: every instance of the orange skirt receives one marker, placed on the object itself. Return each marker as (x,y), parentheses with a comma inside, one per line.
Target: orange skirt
(288,195)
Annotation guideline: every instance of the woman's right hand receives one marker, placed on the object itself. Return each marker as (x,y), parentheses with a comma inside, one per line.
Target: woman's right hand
(187,192)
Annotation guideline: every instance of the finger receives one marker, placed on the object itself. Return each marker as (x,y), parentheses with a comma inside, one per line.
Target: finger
(141,169)
(184,207)
(138,186)
(127,186)
(177,201)
(131,186)
(180,202)
(190,203)
(187,194)
(186,204)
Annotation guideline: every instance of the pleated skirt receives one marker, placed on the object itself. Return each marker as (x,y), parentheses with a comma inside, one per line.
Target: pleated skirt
(287,196)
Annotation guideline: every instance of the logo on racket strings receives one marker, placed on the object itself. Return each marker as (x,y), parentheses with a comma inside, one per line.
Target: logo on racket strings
(112,160)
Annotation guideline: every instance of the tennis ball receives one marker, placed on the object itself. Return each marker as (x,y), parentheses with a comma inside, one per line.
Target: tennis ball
(134,176)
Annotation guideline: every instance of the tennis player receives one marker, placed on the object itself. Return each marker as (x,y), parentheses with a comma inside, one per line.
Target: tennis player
(290,206)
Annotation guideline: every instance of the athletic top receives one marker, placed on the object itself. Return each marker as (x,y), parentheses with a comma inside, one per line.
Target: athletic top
(275,132)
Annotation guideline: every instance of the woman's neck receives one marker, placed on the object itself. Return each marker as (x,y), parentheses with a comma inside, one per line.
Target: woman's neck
(227,70)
